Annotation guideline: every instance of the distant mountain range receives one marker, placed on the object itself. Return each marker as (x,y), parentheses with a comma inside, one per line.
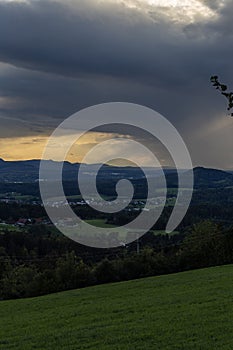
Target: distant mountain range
(28,172)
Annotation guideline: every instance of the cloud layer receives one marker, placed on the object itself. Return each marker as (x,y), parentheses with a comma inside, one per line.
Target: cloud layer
(60,56)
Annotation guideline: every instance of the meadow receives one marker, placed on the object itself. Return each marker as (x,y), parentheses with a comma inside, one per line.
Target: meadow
(188,310)
(103,224)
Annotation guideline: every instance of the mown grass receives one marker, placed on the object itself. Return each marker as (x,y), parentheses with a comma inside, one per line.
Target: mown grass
(190,310)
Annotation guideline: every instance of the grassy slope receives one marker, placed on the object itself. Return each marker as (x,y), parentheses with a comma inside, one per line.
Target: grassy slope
(191,310)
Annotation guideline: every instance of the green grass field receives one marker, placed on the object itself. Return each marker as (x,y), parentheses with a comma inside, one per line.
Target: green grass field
(99,223)
(102,223)
(190,310)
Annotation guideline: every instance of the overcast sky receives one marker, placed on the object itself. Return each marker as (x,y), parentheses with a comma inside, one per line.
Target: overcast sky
(57,57)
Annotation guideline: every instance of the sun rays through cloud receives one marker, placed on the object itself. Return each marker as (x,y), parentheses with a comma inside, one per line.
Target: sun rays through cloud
(178,10)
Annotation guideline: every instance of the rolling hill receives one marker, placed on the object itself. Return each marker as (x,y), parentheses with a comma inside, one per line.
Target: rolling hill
(28,171)
(20,178)
(189,310)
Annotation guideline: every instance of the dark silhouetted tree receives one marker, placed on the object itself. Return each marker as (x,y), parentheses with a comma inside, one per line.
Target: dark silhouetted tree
(223,89)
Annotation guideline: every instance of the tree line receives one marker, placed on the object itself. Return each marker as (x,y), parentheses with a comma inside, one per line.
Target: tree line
(39,265)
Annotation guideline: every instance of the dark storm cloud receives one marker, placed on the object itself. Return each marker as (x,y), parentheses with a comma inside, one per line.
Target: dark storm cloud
(94,40)
(54,37)
(65,56)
